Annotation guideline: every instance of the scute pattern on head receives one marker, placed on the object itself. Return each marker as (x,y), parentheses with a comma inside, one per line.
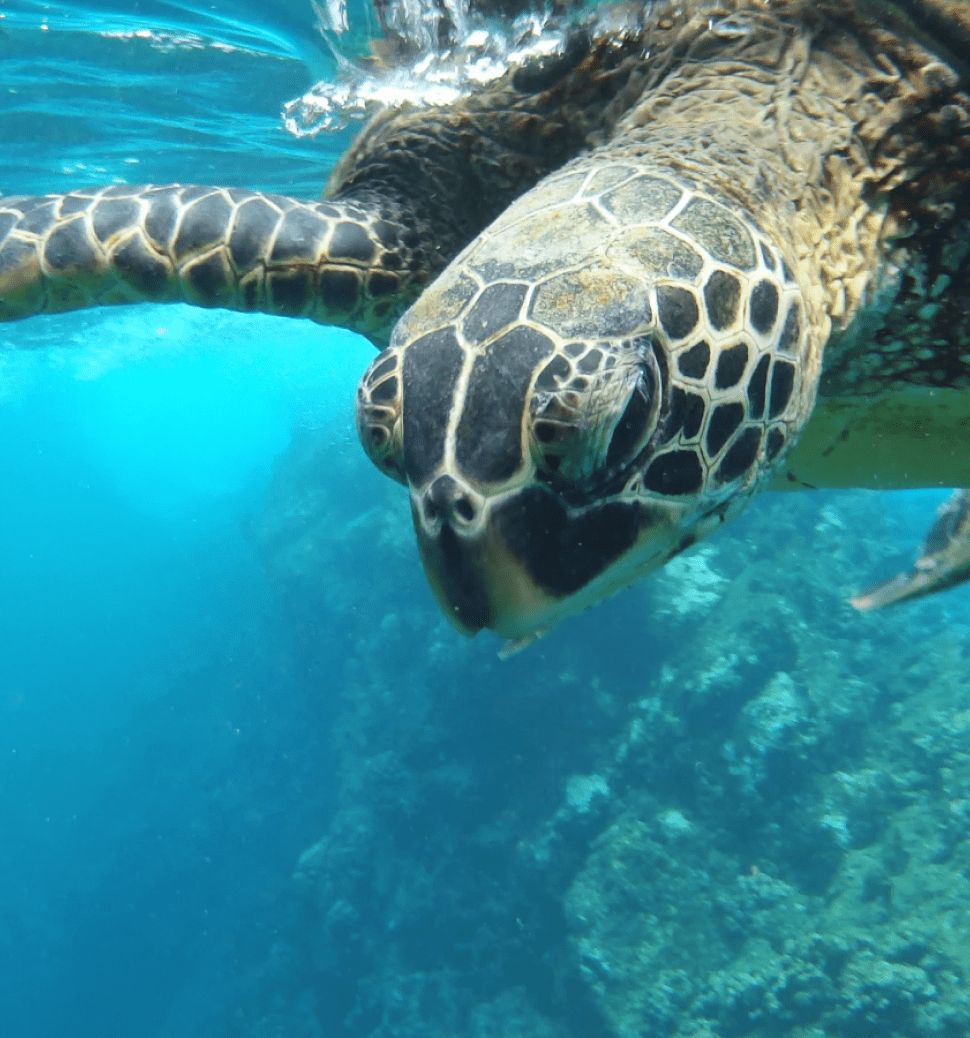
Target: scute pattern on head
(721,305)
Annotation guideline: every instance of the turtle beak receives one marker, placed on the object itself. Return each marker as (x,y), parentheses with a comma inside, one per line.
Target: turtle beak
(521,562)
(453,565)
(476,580)
(477,583)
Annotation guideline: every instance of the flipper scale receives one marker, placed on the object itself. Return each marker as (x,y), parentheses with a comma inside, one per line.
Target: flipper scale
(339,262)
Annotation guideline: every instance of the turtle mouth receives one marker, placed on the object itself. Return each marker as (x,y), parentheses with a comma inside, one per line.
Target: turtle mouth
(529,561)
(477,582)
(453,565)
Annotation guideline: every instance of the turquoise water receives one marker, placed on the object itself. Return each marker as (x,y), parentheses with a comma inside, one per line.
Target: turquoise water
(162,756)
(186,708)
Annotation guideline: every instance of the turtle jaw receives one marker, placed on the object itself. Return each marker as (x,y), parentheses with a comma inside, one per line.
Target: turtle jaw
(527,561)
(477,583)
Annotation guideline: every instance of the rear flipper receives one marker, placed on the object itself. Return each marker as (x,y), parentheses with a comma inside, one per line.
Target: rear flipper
(943,560)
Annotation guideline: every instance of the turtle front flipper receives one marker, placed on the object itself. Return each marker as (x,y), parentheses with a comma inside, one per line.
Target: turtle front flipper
(342,262)
(943,560)
(415,187)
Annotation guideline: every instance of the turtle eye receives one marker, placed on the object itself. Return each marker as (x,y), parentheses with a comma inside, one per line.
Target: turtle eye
(595,410)
(633,429)
(379,414)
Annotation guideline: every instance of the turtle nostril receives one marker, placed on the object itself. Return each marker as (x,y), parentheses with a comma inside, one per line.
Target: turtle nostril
(464,509)
(446,499)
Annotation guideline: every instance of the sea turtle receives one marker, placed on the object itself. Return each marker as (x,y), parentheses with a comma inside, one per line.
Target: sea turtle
(723,247)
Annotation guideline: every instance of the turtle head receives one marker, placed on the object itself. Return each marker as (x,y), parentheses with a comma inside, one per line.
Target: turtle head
(570,413)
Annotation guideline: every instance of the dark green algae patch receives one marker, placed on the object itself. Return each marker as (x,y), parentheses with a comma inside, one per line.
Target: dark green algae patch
(723,805)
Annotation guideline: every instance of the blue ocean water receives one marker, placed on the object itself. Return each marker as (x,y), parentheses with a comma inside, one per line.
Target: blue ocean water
(165,753)
(162,757)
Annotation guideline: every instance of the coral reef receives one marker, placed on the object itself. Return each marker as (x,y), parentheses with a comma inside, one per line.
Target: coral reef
(723,805)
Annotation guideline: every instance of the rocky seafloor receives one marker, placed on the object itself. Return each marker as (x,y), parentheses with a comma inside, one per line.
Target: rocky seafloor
(722,805)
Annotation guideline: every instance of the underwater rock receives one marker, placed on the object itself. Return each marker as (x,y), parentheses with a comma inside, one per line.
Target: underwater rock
(690,585)
(511,1015)
(745,819)
(584,790)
